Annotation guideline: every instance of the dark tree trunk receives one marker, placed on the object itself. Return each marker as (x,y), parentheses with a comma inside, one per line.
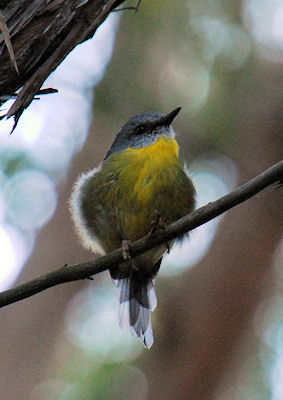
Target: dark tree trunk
(42,34)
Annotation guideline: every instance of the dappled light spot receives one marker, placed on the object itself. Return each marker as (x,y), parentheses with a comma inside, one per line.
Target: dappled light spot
(31,199)
(92,324)
(15,248)
(264,19)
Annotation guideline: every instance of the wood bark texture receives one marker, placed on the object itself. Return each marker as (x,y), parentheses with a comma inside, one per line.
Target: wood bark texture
(43,33)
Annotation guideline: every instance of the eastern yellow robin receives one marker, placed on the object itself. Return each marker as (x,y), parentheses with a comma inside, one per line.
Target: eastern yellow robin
(140,177)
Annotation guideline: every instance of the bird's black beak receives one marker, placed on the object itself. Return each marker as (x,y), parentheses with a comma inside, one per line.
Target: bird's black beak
(168,119)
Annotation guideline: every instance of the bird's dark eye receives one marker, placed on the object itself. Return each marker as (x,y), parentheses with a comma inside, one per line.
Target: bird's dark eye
(140,129)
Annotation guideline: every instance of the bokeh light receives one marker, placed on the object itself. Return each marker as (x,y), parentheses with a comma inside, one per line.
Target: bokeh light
(52,389)
(7,254)
(92,323)
(264,19)
(221,40)
(111,381)
(175,75)
(31,199)
(15,248)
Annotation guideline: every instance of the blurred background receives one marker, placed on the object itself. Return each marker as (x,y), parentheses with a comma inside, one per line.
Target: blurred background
(218,326)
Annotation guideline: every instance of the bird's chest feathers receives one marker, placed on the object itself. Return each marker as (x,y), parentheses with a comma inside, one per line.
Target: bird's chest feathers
(147,173)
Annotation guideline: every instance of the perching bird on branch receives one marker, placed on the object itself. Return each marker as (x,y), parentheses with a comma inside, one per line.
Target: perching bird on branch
(139,186)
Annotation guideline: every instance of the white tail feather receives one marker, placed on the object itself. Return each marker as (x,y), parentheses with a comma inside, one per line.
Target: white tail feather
(133,314)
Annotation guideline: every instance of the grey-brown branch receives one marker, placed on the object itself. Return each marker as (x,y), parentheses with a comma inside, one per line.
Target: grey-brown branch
(183,225)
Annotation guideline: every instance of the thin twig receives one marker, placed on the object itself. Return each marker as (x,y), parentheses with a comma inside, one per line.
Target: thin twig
(198,217)
(135,8)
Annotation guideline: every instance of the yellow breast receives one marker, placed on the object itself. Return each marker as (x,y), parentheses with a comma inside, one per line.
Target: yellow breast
(149,168)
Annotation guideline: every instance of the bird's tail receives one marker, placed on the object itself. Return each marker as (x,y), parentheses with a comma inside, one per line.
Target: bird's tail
(137,299)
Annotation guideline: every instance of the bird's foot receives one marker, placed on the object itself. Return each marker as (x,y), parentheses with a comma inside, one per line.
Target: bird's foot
(156,224)
(126,254)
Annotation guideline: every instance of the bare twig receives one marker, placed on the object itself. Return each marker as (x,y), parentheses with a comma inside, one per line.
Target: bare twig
(178,228)
(135,8)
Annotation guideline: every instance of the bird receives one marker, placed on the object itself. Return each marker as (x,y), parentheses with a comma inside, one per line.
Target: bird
(139,187)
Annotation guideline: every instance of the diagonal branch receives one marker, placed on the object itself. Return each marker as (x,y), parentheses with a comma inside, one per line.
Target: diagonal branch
(198,217)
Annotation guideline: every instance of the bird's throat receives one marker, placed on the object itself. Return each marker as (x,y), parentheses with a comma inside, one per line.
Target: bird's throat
(163,150)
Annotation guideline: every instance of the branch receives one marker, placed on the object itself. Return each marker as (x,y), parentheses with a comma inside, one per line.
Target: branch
(198,217)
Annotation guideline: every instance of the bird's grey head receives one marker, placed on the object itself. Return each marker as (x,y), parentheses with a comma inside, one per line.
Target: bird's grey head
(143,130)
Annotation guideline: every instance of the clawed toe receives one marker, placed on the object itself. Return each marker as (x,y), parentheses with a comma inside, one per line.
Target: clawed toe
(126,253)
(156,224)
